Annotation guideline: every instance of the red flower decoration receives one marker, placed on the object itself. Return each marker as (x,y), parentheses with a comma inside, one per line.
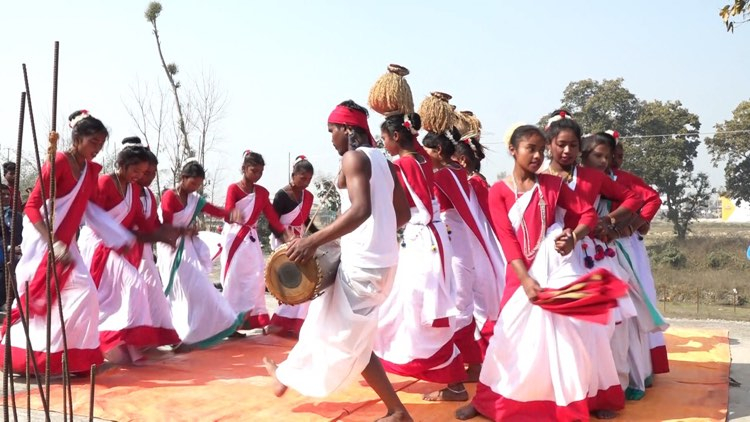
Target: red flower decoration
(407,124)
(616,135)
(563,114)
(585,246)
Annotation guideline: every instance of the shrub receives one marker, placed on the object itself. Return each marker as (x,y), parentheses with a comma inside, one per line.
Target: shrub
(718,259)
(668,254)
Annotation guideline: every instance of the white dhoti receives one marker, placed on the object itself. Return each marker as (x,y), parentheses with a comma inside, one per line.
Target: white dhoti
(336,340)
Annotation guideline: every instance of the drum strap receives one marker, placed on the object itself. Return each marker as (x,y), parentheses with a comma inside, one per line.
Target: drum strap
(178,255)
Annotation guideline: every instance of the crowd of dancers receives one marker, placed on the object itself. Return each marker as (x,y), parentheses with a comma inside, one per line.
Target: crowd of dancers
(439,275)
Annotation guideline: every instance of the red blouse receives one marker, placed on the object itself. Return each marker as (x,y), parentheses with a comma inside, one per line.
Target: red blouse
(170,204)
(109,197)
(590,183)
(556,194)
(650,197)
(262,204)
(65,181)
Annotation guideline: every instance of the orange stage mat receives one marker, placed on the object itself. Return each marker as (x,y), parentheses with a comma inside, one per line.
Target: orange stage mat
(228,382)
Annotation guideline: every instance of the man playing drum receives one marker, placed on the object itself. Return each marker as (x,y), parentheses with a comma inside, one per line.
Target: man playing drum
(336,340)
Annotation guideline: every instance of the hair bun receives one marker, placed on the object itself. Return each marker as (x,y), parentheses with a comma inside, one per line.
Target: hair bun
(132,141)
(191,160)
(398,69)
(76,117)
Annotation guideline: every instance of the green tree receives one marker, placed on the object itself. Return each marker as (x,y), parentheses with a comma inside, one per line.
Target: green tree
(664,155)
(599,106)
(737,12)
(327,193)
(731,144)
(660,140)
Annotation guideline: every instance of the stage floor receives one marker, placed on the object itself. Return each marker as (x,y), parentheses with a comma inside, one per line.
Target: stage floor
(228,382)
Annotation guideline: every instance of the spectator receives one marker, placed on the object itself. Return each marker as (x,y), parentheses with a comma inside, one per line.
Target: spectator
(9,171)
(5,198)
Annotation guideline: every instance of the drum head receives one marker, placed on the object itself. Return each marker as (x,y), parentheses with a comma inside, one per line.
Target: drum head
(289,282)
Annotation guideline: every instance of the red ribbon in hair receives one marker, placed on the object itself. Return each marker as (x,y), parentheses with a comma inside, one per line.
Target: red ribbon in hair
(342,115)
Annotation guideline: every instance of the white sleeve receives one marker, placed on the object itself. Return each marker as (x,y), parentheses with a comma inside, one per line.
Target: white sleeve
(112,233)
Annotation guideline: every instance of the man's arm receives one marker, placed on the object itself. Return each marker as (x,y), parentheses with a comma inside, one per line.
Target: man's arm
(400,204)
(356,171)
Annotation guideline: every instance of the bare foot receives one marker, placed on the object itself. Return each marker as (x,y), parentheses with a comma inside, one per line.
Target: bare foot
(397,416)
(604,414)
(448,394)
(278,388)
(181,348)
(472,373)
(466,412)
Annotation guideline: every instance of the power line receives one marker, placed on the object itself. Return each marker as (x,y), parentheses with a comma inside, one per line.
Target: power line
(686,134)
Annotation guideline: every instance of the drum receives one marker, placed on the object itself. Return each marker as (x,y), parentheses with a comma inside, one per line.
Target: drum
(293,283)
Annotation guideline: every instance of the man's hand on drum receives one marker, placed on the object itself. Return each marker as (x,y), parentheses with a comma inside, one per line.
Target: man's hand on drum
(301,250)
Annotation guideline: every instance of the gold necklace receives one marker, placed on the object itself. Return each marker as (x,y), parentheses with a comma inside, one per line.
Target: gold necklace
(567,178)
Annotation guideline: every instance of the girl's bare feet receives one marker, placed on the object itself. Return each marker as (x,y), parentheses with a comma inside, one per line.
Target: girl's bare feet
(278,388)
(466,412)
(397,416)
(453,392)
(604,414)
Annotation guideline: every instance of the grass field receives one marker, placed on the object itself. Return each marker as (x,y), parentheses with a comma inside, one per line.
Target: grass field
(698,278)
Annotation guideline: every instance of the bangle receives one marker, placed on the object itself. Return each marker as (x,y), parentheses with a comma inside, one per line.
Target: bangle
(575,238)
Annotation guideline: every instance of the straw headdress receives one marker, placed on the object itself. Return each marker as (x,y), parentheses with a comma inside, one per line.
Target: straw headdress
(468,124)
(436,113)
(391,93)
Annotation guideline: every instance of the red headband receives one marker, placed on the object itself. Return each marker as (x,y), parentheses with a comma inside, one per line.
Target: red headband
(342,115)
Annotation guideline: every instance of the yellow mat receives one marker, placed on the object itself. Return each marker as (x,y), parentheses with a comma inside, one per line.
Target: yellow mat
(229,383)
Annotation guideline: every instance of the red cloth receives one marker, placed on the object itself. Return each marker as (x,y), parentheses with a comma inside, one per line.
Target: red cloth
(650,197)
(451,192)
(342,115)
(170,204)
(590,183)
(109,197)
(66,231)
(419,177)
(556,194)
(262,204)
(589,298)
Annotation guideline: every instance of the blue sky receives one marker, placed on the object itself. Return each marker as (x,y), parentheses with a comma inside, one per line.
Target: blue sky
(284,64)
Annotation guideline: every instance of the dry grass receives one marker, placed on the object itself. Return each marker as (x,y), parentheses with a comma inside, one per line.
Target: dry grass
(698,278)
